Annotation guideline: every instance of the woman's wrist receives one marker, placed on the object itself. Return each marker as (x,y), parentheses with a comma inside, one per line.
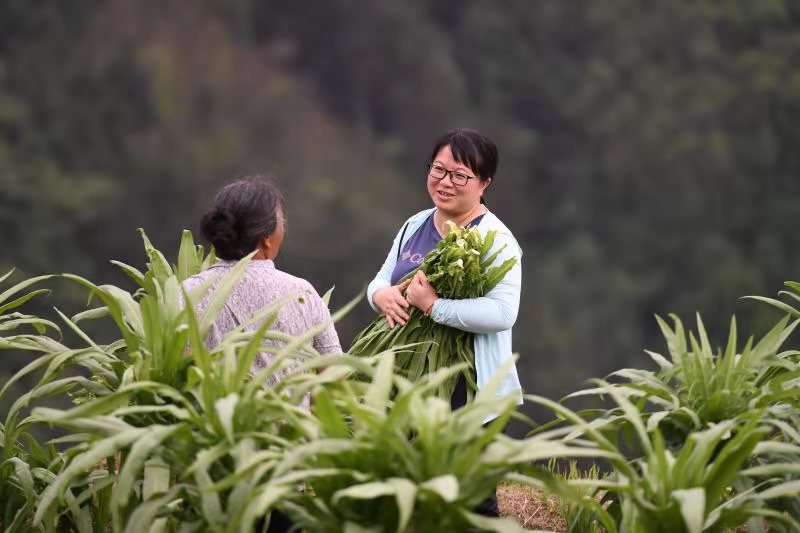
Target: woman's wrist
(429,309)
(377,299)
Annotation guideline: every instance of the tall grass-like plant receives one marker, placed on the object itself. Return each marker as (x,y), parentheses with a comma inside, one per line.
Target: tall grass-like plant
(171,423)
(787,379)
(696,389)
(697,386)
(793,295)
(575,515)
(690,488)
(153,343)
(401,460)
(166,434)
(24,465)
(227,431)
(151,321)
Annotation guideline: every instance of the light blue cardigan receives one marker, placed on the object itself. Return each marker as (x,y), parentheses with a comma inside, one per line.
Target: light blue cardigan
(489,317)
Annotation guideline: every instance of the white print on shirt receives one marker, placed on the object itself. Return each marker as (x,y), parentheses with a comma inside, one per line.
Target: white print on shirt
(414,258)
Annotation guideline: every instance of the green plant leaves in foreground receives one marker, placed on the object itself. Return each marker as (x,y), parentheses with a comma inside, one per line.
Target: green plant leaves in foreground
(159,432)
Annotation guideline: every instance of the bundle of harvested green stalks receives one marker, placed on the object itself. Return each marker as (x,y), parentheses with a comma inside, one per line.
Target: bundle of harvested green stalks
(459,267)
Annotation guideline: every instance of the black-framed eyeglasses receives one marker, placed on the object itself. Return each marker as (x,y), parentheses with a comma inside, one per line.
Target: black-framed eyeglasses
(458,177)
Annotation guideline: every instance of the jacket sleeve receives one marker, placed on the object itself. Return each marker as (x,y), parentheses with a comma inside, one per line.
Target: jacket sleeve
(384,276)
(497,310)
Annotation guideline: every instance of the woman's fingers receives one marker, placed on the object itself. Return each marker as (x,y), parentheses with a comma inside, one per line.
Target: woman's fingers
(411,292)
(400,288)
(394,305)
(421,293)
(401,314)
(398,295)
(396,314)
(388,298)
(417,283)
(396,318)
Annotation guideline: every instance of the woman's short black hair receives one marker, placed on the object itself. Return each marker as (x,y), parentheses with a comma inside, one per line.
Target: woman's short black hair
(470,148)
(244,212)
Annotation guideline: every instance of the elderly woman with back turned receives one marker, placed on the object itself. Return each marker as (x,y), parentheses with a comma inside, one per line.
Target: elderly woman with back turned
(247,216)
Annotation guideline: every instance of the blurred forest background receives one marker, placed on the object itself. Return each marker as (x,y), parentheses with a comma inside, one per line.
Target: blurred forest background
(650,152)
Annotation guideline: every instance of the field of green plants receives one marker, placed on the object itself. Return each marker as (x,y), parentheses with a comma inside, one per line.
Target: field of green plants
(162,434)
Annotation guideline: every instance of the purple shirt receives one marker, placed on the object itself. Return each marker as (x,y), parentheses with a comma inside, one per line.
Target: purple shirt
(417,246)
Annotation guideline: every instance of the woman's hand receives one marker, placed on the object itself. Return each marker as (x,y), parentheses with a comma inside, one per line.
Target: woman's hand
(420,293)
(392,304)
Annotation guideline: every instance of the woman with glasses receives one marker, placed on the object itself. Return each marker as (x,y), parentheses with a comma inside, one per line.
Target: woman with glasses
(462,166)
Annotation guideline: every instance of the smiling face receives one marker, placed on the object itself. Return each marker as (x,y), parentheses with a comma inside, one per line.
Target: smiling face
(455,201)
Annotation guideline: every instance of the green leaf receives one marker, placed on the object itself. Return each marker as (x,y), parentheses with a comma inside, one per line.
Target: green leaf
(80,464)
(221,293)
(329,417)
(8,293)
(26,370)
(210,503)
(21,300)
(103,405)
(225,409)
(146,515)
(729,460)
(772,469)
(403,490)
(158,265)
(775,303)
(91,314)
(660,360)
(6,275)
(188,263)
(379,390)
(134,462)
(498,525)
(692,504)
(789,489)
(23,477)
(265,498)
(327,296)
(134,273)
(446,487)
(119,310)
(74,327)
